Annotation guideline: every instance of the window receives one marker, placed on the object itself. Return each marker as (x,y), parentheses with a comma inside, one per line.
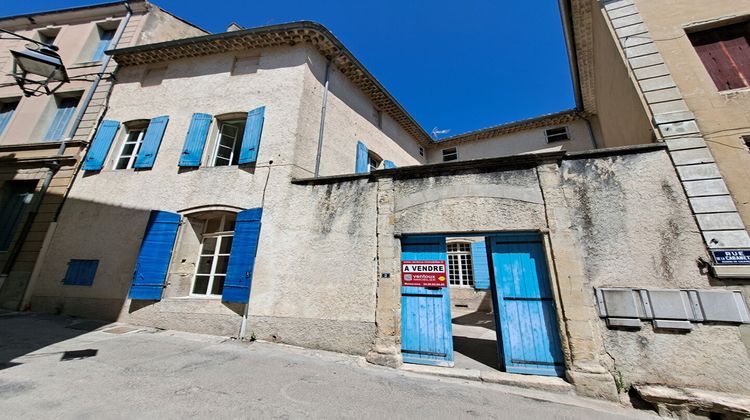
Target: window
(421,151)
(245,65)
(556,134)
(725,52)
(450,154)
(14,197)
(6,113)
(48,36)
(81,272)
(131,146)
(377,116)
(228,142)
(216,244)
(65,107)
(460,273)
(373,161)
(105,37)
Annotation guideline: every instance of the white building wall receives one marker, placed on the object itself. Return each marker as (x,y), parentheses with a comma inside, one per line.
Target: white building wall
(528,141)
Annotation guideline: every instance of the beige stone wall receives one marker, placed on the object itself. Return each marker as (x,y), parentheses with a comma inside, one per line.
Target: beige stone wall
(620,116)
(526,141)
(723,117)
(24,156)
(350,117)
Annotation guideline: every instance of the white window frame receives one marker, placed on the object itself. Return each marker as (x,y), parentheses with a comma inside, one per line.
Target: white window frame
(136,149)
(451,151)
(373,161)
(217,141)
(465,265)
(547,134)
(219,235)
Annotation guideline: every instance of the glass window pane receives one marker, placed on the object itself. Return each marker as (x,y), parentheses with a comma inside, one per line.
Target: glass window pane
(221,265)
(213,225)
(229,223)
(226,245)
(218,285)
(204,265)
(122,163)
(127,149)
(220,161)
(223,152)
(209,246)
(201,285)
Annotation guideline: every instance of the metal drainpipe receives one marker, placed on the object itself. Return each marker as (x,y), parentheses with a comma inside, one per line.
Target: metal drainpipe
(61,150)
(323,115)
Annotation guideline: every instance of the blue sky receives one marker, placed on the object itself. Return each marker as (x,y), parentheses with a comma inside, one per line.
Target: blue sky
(455,65)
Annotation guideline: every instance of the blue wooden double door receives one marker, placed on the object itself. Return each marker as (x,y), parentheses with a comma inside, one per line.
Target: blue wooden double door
(524,309)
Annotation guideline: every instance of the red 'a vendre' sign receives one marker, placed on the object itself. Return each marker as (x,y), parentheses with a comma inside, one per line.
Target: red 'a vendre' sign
(423,273)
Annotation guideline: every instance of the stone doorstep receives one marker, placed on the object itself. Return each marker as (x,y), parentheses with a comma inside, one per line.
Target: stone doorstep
(691,399)
(540,383)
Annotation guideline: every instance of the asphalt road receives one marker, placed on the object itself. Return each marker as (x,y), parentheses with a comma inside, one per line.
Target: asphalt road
(56,367)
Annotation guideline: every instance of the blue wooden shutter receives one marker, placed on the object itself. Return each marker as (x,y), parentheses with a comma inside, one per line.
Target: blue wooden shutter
(154,256)
(481,266)
(100,145)
(251,138)
(426,330)
(65,111)
(6,112)
(242,256)
(362,166)
(195,140)
(387,164)
(81,272)
(151,142)
(104,40)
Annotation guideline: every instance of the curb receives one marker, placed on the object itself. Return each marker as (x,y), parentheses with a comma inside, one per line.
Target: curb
(539,383)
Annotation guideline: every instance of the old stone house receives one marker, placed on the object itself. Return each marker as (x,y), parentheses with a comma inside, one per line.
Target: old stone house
(262,183)
(43,137)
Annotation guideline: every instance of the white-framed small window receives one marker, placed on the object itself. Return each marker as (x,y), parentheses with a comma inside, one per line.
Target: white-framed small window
(228,142)
(213,260)
(130,146)
(460,268)
(556,134)
(373,161)
(450,154)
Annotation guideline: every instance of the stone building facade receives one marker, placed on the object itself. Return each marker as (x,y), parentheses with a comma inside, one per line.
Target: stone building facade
(43,138)
(262,183)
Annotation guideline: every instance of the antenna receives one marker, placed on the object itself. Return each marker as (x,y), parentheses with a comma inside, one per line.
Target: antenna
(436,132)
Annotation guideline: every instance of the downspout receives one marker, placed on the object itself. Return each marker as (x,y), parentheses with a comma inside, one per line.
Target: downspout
(567,23)
(56,164)
(323,114)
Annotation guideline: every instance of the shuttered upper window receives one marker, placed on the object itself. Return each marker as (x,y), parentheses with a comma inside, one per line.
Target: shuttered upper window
(131,146)
(725,52)
(65,108)
(228,142)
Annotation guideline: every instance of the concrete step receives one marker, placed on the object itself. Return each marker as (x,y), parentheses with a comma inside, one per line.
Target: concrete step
(542,383)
